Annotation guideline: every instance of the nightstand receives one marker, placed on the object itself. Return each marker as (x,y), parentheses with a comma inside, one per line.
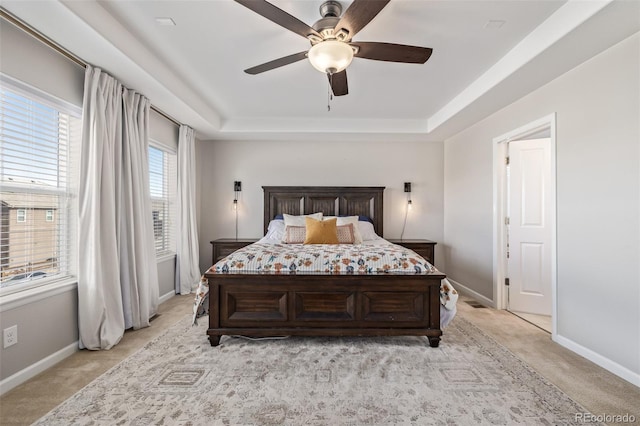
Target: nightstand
(223,247)
(425,248)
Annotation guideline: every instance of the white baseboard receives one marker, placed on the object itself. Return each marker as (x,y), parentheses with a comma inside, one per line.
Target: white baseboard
(596,358)
(166,296)
(463,289)
(34,369)
(606,363)
(23,375)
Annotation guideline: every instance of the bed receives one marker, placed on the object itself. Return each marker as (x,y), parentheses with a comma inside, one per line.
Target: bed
(333,303)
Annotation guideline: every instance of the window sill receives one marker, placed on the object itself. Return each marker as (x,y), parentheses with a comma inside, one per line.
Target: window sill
(24,297)
(17,298)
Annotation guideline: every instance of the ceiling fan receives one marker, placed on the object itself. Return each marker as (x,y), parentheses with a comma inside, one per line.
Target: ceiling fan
(332,47)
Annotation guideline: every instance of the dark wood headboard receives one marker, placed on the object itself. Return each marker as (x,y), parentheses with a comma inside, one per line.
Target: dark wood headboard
(330,200)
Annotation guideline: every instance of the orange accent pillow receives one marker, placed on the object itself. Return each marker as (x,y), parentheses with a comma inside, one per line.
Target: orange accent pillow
(321,231)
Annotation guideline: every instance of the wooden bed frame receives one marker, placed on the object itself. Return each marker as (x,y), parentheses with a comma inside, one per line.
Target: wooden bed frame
(318,304)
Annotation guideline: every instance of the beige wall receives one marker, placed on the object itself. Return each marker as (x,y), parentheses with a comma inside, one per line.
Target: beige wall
(331,162)
(597,108)
(45,327)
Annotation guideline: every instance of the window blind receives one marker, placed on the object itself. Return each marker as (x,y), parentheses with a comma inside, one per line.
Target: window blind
(35,196)
(162,187)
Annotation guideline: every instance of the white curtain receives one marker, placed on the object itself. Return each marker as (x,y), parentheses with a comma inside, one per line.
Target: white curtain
(117,275)
(187,259)
(138,266)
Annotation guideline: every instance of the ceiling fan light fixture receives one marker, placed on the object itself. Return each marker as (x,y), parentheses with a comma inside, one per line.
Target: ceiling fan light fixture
(330,56)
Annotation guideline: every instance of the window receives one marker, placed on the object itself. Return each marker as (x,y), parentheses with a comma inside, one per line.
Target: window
(163,186)
(37,133)
(21,215)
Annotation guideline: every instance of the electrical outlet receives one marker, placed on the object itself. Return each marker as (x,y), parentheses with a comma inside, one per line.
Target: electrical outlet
(10,336)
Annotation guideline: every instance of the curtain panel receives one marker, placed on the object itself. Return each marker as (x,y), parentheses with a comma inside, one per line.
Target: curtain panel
(117,271)
(187,251)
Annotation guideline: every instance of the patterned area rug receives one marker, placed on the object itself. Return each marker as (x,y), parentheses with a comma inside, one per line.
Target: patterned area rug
(179,379)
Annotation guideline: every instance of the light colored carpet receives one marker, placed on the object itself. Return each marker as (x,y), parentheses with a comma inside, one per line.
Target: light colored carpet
(179,379)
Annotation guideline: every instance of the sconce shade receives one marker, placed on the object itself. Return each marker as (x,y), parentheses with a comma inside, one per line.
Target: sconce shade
(330,56)
(407,187)
(237,187)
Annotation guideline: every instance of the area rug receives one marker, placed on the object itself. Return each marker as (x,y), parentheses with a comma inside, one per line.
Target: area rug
(179,379)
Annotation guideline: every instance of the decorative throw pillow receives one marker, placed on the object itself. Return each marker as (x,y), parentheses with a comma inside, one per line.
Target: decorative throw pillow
(292,220)
(345,234)
(345,220)
(294,234)
(297,234)
(321,231)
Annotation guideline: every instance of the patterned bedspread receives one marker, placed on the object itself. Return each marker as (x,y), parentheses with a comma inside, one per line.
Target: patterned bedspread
(324,259)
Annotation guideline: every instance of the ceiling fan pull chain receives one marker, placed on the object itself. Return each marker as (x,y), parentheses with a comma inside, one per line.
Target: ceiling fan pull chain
(329,92)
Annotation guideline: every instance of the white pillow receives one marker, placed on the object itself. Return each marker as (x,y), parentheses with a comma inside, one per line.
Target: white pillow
(347,220)
(275,230)
(291,220)
(367,231)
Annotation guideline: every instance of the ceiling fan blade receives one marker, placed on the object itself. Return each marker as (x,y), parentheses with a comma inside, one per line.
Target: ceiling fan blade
(279,16)
(338,83)
(359,14)
(392,52)
(276,63)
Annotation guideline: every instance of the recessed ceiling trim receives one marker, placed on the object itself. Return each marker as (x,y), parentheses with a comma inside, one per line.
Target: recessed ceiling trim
(566,19)
(328,125)
(145,66)
(98,33)
(88,32)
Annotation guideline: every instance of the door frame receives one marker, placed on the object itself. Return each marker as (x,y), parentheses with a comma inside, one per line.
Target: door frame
(499,210)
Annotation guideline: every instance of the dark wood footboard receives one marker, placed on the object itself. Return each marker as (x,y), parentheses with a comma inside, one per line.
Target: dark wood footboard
(322,305)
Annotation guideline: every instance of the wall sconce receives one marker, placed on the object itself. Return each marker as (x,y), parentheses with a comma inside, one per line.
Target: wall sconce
(407,189)
(237,187)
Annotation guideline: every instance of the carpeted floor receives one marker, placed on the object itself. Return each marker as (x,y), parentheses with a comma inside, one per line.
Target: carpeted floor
(178,379)
(598,390)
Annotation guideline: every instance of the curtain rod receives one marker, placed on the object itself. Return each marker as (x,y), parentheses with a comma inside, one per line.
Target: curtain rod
(19,23)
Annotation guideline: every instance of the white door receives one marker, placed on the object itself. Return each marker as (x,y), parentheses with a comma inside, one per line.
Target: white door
(529,230)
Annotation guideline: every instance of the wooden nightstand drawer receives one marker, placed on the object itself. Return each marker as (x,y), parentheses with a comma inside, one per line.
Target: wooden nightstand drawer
(225,246)
(425,248)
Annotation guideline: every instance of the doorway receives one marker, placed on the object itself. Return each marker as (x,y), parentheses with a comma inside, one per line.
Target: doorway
(525,219)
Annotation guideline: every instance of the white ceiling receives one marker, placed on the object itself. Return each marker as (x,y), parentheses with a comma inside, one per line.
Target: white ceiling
(194,71)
